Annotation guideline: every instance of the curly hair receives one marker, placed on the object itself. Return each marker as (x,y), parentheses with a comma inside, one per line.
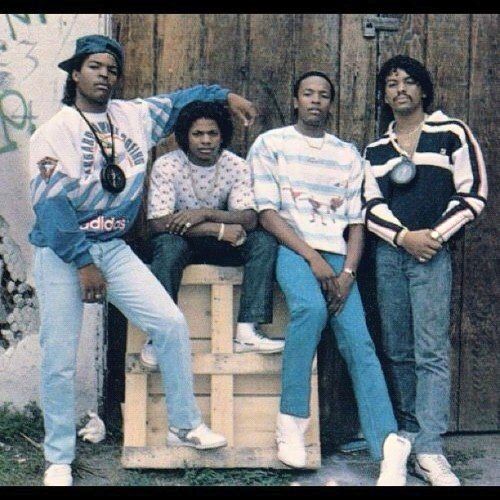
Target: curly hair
(296,85)
(415,69)
(208,110)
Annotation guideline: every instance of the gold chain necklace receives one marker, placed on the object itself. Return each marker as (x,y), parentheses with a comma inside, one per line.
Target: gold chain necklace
(211,185)
(313,144)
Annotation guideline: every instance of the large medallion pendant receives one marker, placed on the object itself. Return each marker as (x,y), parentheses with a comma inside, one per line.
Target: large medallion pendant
(403,172)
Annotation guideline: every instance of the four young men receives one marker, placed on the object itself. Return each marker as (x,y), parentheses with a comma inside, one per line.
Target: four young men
(420,182)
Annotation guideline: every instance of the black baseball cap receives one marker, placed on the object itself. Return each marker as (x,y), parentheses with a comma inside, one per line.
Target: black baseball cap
(94,44)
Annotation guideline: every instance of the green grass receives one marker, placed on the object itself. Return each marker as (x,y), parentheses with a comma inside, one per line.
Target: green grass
(22,462)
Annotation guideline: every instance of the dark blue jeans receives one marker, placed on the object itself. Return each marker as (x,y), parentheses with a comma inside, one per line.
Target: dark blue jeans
(172,253)
(414,302)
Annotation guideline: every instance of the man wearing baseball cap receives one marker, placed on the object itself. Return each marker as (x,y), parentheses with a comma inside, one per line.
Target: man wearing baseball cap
(88,164)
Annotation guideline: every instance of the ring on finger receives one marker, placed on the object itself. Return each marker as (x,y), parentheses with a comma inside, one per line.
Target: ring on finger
(422,259)
(188,225)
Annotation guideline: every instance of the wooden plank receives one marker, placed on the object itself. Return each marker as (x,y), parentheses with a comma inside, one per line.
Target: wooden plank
(134,422)
(226,61)
(254,418)
(271,69)
(357,82)
(163,457)
(136,34)
(221,396)
(448,64)
(319,52)
(246,363)
(204,274)
(480,346)
(244,385)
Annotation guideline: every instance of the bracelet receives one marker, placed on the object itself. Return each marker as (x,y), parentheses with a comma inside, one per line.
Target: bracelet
(221,232)
(400,237)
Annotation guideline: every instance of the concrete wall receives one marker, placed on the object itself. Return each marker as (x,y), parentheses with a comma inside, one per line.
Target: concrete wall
(31,86)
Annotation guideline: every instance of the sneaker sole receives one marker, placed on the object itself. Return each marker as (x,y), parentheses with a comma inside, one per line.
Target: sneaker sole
(240,350)
(175,441)
(420,473)
(290,464)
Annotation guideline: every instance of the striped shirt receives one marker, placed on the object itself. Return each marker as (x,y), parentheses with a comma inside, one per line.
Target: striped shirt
(314,184)
(72,209)
(449,190)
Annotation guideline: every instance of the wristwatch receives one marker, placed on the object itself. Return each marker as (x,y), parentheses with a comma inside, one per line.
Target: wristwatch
(348,270)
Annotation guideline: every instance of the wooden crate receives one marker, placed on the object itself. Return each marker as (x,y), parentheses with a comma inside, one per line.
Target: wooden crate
(238,394)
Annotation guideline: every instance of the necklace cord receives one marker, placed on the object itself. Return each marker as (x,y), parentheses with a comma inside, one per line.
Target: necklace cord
(109,159)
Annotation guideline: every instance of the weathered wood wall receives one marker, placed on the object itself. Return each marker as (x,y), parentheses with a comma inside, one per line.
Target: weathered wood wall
(260,55)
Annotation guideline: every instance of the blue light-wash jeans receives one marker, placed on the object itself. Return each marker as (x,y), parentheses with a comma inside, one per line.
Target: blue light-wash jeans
(133,289)
(414,302)
(308,318)
(172,253)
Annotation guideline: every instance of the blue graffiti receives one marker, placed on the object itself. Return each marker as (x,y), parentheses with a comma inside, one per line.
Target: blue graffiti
(22,120)
(23,18)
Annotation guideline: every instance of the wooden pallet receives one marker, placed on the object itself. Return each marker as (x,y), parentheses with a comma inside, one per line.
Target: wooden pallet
(238,394)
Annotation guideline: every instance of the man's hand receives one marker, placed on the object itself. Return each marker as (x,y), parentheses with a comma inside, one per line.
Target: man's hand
(242,108)
(325,275)
(421,245)
(180,222)
(344,284)
(233,233)
(92,284)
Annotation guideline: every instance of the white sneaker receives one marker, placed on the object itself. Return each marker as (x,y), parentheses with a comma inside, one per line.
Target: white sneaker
(201,438)
(290,432)
(393,466)
(253,340)
(436,470)
(58,475)
(148,355)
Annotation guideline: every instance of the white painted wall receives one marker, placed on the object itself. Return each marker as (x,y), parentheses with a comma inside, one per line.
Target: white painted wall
(31,46)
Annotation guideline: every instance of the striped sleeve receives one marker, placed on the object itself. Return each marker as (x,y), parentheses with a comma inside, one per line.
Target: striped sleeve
(263,165)
(471,185)
(378,217)
(164,108)
(55,216)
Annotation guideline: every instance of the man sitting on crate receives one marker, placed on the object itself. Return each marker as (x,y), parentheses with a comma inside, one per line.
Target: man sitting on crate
(201,209)
(308,192)
(88,164)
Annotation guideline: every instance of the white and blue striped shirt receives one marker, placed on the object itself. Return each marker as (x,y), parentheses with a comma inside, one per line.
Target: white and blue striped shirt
(314,184)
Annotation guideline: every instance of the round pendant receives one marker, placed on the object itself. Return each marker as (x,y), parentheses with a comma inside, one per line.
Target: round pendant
(403,172)
(113,178)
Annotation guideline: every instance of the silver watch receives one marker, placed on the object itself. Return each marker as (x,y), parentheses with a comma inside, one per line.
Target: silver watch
(348,270)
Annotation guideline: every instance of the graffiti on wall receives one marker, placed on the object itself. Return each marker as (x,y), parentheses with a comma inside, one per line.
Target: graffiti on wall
(15,109)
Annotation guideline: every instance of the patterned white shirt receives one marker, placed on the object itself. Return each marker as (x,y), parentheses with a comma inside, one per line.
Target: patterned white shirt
(314,184)
(178,184)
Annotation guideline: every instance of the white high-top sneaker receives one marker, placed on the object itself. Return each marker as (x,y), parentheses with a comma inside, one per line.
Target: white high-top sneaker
(148,355)
(393,466)
(436,470)
(290,432)
(201,438)
(58,475)
(250,338)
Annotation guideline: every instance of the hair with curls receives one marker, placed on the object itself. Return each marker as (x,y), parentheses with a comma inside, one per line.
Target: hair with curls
(415,69)
(296,85)
(208,110)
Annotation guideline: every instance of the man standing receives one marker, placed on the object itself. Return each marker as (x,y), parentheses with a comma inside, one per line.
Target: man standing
(307,186)
(201,210)
(425,179)
(88,164)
